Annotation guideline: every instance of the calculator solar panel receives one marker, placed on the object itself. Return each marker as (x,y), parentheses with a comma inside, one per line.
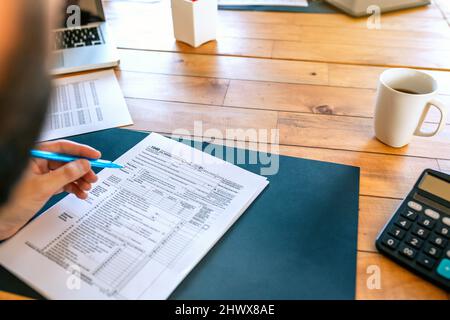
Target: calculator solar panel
(418,234)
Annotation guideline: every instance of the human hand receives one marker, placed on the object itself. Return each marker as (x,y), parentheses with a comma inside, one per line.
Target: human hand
(42,179)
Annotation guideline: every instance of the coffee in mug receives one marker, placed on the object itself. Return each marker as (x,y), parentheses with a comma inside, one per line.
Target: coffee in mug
(404,98)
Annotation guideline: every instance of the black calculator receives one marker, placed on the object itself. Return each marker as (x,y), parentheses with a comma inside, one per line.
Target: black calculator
(418,234)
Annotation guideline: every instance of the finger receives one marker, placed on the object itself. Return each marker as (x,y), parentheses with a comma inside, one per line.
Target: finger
(74,189)
(70,172)
(53,165)
(83,185)
(87,179)
(39,166)
(90,177)
(71,148)
(69,188)
(81,195)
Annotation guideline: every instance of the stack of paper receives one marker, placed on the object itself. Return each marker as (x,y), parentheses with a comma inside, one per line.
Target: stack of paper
(142,229)
(85,103)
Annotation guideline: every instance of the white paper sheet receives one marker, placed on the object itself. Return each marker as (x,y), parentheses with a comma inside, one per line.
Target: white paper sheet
(142,229)
(85,103)
(284,3)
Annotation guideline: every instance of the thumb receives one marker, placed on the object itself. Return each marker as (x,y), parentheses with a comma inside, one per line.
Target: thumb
(56,180)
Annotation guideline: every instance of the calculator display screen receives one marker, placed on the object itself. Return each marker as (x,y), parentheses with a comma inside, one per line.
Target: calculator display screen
(435,186)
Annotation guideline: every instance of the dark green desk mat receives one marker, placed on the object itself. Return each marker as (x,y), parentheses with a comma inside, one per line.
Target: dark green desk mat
(296,241)
(313,7)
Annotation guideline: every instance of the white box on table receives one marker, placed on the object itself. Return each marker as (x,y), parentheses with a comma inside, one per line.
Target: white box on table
(194,22)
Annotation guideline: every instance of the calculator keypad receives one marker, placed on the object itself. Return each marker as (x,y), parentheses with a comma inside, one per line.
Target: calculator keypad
(410,214)
(432,214)
(407,251)
(426,261)
(419,237)
(444,231)
(438,240)
(432,251)
(427,222)
(444,269)
(421,232)
(446,221)
(404,223)
(390,242)
(415,242)
(397,233)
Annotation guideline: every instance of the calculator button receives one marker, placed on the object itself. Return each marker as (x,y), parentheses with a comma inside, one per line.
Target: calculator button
(432,251)
(415,206)
(390,242)
(443,231)
(414,242)
(446,221)
(411,215)
(432,214)
(421,232)
(444,269)
(403,223)
(426,261)
(427,222)
(407,251)
(397,232)
(438,241)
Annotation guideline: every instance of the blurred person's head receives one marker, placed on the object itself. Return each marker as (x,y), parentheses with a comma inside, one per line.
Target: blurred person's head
(24,84)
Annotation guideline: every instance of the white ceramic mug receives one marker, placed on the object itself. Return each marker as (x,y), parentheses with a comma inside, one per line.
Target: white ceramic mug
(404,99)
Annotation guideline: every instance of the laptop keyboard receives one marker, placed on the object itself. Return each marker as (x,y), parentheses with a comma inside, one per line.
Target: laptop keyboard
(74,38)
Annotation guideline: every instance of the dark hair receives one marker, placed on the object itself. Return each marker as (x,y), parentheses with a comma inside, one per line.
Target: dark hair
(24,95)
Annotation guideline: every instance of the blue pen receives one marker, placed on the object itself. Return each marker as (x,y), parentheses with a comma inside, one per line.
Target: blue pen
(67,158)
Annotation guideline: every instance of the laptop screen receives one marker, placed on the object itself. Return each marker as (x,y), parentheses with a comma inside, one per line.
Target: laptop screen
(80,11)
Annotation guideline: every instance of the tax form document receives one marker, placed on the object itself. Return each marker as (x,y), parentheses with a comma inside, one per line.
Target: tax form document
(85,103)
(142,229)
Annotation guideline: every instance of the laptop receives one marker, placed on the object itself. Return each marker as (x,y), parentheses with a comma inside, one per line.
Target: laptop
(359,8)
(87,45)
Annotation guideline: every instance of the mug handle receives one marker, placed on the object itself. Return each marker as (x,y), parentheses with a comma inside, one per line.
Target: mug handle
(442,109)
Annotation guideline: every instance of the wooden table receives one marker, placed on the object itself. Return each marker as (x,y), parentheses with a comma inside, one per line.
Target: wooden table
(312,77)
